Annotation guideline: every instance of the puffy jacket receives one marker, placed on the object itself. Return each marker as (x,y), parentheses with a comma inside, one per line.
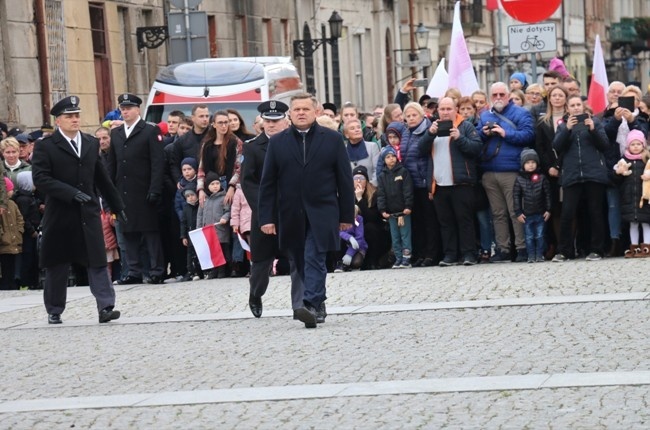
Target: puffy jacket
(582,154)
(356,231)
(464,153)
(416,164)
(401,129)
(631,187)
(395,190)
(611,125)
(505,157)
(531,194)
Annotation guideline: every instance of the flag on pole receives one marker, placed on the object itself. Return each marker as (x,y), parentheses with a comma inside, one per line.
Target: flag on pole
(207,247)
(597,97)
(461,71)
(440,81)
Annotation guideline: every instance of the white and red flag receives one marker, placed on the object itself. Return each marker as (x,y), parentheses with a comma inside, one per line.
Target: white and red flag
(597,97)
(461,71)
(207,247)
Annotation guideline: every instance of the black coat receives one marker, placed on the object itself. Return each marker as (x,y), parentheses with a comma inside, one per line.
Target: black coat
(395,190)
(263,246)
(631,190)
(136,166)
(313,186)
(531,194)
(72,232)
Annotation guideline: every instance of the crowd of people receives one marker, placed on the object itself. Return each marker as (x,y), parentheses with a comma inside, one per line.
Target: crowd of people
(519,173)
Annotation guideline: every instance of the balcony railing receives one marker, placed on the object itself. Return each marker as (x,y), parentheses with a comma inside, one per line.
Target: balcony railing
(471,13)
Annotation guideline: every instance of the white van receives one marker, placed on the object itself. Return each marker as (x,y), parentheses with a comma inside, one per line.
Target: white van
(238,83)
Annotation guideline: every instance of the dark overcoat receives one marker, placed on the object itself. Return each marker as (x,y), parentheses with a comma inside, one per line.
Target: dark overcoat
(137,166)
(263,246)
(72,232)
(312,185)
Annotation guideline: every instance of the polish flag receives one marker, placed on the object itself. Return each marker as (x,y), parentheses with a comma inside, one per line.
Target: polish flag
(492,5)
(597,97)
(461,71)
(440,81)
(207,247)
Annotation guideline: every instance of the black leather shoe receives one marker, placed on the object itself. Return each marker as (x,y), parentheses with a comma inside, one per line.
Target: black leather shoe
(306,314)
(321,313)
(54,319)
(427,262)
(155,279)
(130,280)
(418,262)
(108,314)
(255,303)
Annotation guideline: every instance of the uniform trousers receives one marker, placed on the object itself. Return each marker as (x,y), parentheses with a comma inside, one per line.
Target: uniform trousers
(259,281)
(55,288)
(154,249)
(308,269)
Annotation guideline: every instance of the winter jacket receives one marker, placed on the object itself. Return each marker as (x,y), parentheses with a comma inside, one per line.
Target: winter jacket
(28,207)
(188,219)
(13,173)
(582,154)
(502,154)
(544,135)
(400,127)
(395,190)
(179,199)
(631,187)
(611,125)
(214,209)
(370,162)
(531,194)
(416,164)
(240,212)
(355,231)
(464,153)
(11,230)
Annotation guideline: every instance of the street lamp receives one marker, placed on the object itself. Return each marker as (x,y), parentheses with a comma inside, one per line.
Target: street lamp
(421,36)
(307,46)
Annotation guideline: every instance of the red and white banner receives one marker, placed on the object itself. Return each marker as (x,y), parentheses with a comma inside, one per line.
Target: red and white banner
(207,247)
(461,70)
(597,97)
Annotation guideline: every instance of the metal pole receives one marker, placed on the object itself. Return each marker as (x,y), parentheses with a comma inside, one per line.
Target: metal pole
(500,36)
(412,38)
(336,72)
(188,32)
(325,66)
(533,64)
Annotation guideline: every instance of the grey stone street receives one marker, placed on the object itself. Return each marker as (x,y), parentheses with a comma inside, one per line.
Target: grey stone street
(490,346)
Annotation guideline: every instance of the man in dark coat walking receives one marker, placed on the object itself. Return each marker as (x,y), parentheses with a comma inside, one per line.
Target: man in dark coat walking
(136,164)
(67,169)
(264,247)
(307,197)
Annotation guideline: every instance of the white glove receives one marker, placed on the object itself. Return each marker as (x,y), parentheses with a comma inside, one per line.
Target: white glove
(354,243)
(347,260)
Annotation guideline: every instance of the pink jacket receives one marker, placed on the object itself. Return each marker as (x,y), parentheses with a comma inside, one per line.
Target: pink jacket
(240,212)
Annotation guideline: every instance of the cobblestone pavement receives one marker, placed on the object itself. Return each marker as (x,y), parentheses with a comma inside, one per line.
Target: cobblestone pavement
(82,360)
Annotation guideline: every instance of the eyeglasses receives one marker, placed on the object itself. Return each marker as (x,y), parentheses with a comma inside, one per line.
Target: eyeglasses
(222,122)
(359,178)
(498,94)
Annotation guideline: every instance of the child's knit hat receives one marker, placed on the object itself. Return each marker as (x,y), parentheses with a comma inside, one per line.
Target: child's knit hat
(388,150)
(635,135)
(191,161)
(529,154)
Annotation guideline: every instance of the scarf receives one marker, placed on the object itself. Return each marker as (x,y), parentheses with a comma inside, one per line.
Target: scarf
(357,151)
(631,156)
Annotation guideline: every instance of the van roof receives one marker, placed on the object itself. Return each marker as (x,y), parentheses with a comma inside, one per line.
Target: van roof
(221,71)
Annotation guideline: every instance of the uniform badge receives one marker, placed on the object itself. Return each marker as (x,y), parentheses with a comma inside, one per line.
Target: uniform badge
(73,100)
(272,104)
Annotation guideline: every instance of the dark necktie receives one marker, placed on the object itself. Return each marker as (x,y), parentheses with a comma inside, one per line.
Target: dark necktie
(74,144)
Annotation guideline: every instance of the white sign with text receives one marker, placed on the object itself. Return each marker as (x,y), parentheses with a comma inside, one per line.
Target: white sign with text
(527,39)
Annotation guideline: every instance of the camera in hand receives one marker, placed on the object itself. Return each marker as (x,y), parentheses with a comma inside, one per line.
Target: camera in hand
(581,122)
(582,117)
(444,127)
(421,83)
(490,125)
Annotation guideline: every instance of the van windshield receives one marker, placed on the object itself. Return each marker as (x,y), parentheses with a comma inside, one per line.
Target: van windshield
(158,113)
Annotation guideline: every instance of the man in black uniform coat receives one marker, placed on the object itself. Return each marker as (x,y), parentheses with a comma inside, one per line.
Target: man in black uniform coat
(264,247)
(67,169)
(136,164)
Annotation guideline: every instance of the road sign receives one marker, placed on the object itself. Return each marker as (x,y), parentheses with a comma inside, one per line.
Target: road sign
(530,10)
(526,39)
(180,4)
(182,49)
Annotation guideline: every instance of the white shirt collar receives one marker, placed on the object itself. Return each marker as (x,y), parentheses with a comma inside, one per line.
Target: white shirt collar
(128,130)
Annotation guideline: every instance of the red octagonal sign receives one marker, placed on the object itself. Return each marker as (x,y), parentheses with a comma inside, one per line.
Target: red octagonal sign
(530,11)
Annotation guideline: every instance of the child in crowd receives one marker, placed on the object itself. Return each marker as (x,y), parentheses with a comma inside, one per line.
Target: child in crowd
(189,167)
(188,223)
(395,202)
(24,197)
(631,175)
(240,221)
(532,204)
(185,125)
(216,211)
(11,239)
(356,245)
(394,132)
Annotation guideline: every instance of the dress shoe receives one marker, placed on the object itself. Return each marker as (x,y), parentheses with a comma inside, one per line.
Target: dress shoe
(306,314)
(155,279)
(321,313)
(130,280)
(108,314)
(418,262)
(54,319)
(255,303)
(427,262)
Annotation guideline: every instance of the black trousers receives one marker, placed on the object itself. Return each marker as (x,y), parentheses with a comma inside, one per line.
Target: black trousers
(455,209)
(55,288)
(154,249)
(594,195)
(425,228)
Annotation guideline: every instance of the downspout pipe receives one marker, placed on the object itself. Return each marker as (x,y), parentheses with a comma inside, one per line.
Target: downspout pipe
(41,46)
